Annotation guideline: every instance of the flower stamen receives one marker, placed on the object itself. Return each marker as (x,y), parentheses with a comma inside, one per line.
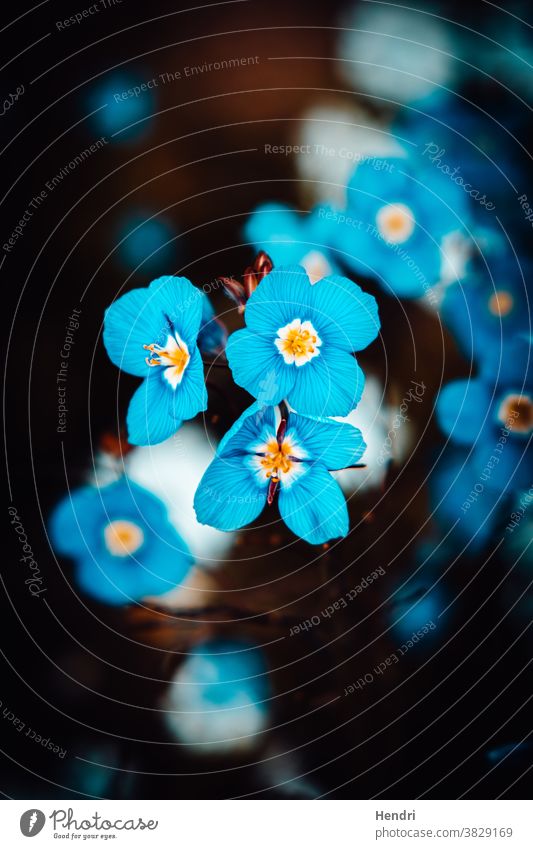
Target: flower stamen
(298,342)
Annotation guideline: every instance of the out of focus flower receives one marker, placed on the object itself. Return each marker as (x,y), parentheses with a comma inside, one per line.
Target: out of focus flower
(333,139)
(122,111)
(256,459)
(395,222)
(495,418)
(292,238)
(490,306)
(415,609)
(216,702)
(145,242)
(464,509)
(299,340)
(164,320)
(121,540)
(397,54)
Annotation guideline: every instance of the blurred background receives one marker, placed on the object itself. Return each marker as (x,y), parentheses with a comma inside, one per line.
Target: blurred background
(251,121)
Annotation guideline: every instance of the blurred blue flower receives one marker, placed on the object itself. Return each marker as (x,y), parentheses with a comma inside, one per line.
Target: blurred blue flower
(163,319)
(145,243)
(216,701)
(415,607)
(298,342)
(466,512)
(474,145)
(121,540)
(121,110)
(255,458)
(396,219)
(493,414)
(292,238)
(491,306)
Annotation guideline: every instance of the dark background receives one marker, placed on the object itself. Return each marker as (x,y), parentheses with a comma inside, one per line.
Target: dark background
(88,676)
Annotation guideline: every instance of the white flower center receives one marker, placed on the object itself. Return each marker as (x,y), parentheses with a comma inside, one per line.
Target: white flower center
(298,342)
(173,356)
(395,222)
(123,538)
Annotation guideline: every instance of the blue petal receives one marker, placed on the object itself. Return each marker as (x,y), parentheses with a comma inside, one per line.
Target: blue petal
(182,302)
(280,297)
(328,385)
(247,429)
(129,323)
(75,520)
(344,313)
(461,504)
(314,508)
(157,410)
(159,566)
(463,408)
(335,445)
(258,367)
(228,496)
(152,414)
(191,394)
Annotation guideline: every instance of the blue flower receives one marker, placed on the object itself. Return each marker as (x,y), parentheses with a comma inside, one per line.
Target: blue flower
(121,540)
(395,222)
(298,342)
(491,306)
(494,416)
(217,700)
(163,319)
(125,118)
(465,510)
(291,238)
(256,459)
(145,242)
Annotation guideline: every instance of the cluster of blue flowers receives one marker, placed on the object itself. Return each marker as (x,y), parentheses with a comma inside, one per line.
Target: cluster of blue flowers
(295,356)
(437,224)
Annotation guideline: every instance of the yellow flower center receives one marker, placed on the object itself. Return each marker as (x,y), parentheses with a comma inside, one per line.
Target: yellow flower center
(174,356)
(277,459)
(298,342)
(123,538)
(395,222)
(516,413)
(501,303)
